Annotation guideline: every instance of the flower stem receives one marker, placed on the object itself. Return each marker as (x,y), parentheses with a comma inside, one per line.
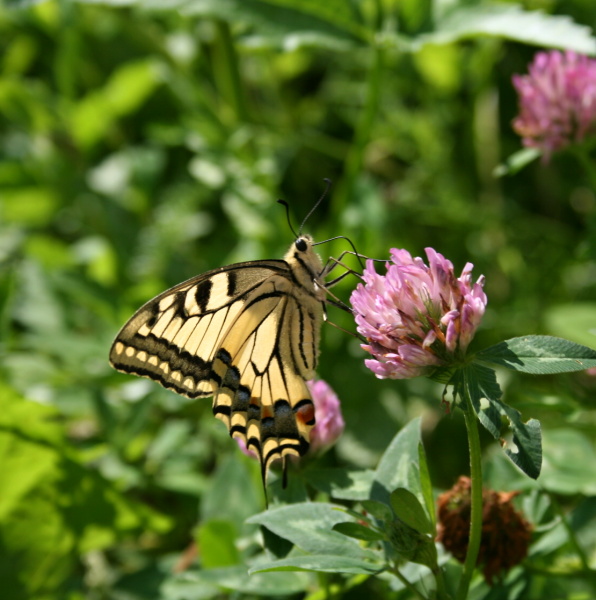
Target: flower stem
(440,583)
(476,500)
(409,585)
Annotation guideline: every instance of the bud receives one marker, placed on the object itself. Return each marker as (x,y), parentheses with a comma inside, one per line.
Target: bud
(411,545)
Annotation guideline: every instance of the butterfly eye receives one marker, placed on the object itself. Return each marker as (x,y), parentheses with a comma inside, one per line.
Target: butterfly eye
(301,245)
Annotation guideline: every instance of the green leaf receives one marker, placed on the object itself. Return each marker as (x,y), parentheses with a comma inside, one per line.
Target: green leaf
(188,584)
(481,385)
(526,449)
(170,437)
(411,545)
(378,510)
(581,521)
(539,355)
(575,320)
(53,506)
(36,305)
(510,22)
(409,510)
(294,492)
(276,546)
(569,463)
(325,563)
(290,23)
(194,584)
(414,15)
(309,526)
(217,538)
(128,87)
(232,493)
(398,466)
(359,516)
(342,484)
(426,486)
(33,206)
(359,532)
(484,392)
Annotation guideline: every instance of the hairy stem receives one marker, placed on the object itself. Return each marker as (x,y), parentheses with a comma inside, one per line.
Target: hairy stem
(476,500)
(408,584)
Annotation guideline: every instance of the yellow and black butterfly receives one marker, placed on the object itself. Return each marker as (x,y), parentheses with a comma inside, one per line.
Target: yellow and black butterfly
(246,334)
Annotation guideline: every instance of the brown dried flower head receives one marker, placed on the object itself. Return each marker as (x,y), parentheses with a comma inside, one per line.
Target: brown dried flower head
(505,532)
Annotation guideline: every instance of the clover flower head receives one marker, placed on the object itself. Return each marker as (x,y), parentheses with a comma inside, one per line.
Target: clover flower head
(557,101)
(329,423)
(417,317)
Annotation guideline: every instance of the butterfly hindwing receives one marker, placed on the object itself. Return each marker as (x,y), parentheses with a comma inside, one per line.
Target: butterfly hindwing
(246,334)
(263,397)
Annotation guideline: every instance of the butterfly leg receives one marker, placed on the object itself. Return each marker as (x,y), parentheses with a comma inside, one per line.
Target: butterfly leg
(333,262)
(329,266)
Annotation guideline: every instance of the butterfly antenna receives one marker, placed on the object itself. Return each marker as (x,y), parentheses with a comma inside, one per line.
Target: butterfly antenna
(287,206)
(312,210)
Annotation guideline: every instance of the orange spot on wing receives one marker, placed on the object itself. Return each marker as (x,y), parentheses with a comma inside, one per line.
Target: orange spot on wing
(306,414)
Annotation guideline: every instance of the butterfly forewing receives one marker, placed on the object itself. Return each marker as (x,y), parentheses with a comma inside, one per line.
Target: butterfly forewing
(247,335)
(173,337)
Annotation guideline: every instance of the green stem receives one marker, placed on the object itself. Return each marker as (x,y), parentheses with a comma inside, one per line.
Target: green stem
(228,72)
(476,500)
(363,127)
(440,583)
(410,586)
(572,537)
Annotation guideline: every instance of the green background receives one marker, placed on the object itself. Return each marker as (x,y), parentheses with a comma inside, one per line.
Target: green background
(144,143)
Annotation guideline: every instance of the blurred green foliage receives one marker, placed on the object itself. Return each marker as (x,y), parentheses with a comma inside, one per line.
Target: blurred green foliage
(143,143)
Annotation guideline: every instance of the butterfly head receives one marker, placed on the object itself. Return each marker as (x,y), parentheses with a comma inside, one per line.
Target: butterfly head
(302,250)
(304,261)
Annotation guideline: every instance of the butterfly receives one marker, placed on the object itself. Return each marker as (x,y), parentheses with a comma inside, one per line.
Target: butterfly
(246,334)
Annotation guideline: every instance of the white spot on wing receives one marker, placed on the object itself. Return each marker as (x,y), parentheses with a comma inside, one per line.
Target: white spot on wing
(166,302)
(144,330)
(163,322)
